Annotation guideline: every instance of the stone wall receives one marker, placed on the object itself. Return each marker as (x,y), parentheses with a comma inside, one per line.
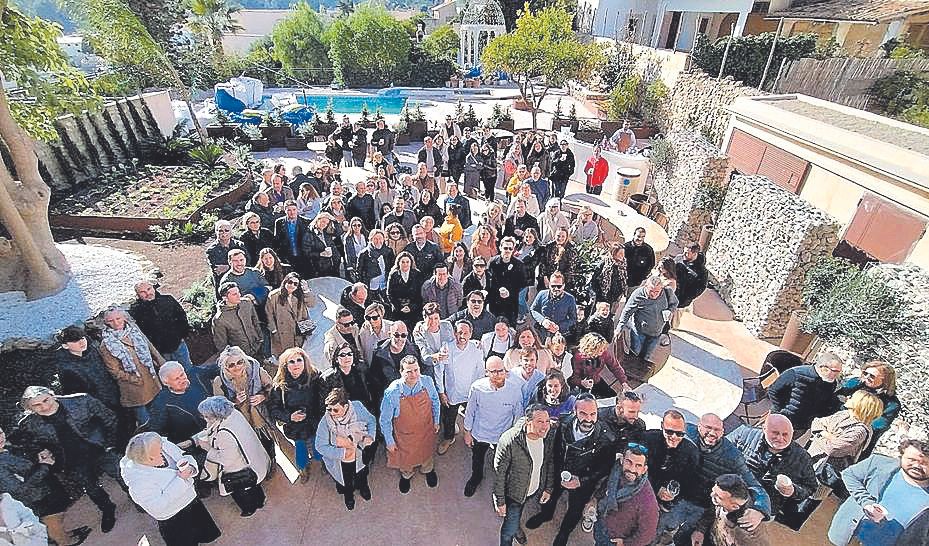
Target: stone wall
(766,240)
(697,164)
(699,101)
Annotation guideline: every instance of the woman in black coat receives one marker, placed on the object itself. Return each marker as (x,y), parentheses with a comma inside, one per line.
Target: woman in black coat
(255,237)
(404,294)
(427,206)
(321,249)
(347,372)
(296,403)
(488,170)
(456,158)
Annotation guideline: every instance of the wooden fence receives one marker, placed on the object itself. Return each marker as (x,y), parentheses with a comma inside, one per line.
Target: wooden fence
(842,80)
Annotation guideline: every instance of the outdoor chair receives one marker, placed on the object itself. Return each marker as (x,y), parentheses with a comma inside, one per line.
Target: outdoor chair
(755,391)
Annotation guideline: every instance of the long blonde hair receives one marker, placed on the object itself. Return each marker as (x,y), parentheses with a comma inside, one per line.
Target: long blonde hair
(280,378)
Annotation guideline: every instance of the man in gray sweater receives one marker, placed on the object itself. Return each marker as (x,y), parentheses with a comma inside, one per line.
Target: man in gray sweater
(650,306)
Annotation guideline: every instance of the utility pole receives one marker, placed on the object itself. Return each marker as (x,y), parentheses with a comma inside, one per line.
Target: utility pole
(767,66)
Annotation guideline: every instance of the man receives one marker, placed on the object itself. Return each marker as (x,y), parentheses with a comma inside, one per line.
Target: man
(449,128)
(400,215)
(508,277)
(482,321)
(218,252)
(623,420)
(76,435)
(432,337)
(354,297)
(584,448)
(516,181)
(717,456)
(299,178)
(343,331)
(385,365)
(163,321)
(431,156)
(250,282)
(527,374)
(562,168)
(719,525)
(691,274)
(425,253)
(382,139)
(277,192)
(624,504)
(551,221)
(289,232)
(540,187)
(673,456)
(362,205)
(467,138)
(410,423)
(623,139)
(442,289)
(344,136)
(375,330)
(553,309)
(889,499)
(783,468)
(236,322)
(649,306)
(523,467)
(640,259)
(455,197)
(463,365)
(174,413)
(494,404)
(803,393)
(518,222)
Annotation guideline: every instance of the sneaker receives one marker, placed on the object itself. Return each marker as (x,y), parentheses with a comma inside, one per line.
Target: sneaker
(305,474)
(536,521)
(108,521)
(587,525)
(350,503)
(248,514)
(471,487)
(444,445)
(521,537)
(365,492)
(404,485)
(665,340)
(432,479)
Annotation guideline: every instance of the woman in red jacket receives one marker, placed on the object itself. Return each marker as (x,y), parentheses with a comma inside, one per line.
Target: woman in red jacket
(596,170)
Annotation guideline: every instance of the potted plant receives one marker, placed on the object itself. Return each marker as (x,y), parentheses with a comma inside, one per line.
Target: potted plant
(416,123)
(469,118)
(459,112)
(325,123)
(506,120)
(366,116)
(274,128)
(560,120)
(304,134)
(622,102)
(378,115)
(255,139)
(710,198)
(401,133)
(223,128)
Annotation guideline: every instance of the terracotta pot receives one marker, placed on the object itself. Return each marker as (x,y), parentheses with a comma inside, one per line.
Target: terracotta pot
(796,340)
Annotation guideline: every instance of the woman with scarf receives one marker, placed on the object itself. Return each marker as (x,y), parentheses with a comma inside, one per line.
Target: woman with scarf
(344,432)
(374,263)
(244,382)
(346,372)
(132,360)
(354,241)
(296,402)
(404,292)
(608,283)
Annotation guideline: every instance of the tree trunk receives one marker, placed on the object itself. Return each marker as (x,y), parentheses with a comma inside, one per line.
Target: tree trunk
(24,212)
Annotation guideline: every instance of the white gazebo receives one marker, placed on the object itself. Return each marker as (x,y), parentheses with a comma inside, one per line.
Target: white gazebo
(481,21)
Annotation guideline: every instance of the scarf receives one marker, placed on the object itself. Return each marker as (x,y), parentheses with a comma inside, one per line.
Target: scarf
(606,279)
(113,341)
(616,492)
(349,425)
(252,378)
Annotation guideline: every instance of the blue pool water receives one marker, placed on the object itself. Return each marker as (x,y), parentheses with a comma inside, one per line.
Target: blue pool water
(349,104)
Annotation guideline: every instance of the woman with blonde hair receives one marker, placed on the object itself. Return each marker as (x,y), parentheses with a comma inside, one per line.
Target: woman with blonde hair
(308,202)
(246,384)
(296,403)
(880,379)
(495,219)
(590,358)
(286,309)
(526,338)
(484,243)
(450,232)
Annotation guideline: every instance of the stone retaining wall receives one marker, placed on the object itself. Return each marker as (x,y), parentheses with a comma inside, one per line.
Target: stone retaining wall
(765,242)
(698,163)
(698,101)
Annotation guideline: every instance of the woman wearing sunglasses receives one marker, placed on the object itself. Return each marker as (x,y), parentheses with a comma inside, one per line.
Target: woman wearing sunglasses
(344,432)
(295,402)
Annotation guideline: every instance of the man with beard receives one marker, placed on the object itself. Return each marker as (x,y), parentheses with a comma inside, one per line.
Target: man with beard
(623,420)
(508,277)
(426,254)
(640,260)
(889,502)
(673,456)
(691,275)
(719,525)
(163,321)
(400,215)
(482,321)
(624,505)
(583,448)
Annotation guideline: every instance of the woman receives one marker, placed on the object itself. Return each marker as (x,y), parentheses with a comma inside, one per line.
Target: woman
(160,478)
(404,286)
(383,195)
(456,158)
(880,379)
(408,191)
(235,457)
(308,202)
(473,165)
(344,432)
(596,170)
(477,279)
(343,373)
(427,206)
(132,361)
(488,171)
(500,340)
(561,359)
(527,338)
(270,267)
(424,181)
(483,243)
(336,208)
(396,237)
(296,403)
(514,158)
(450,232)
(584,228)
(524,192)
(354,241)
(459,262)
(81,370)
(359,144)
(495,219)
(442,146)
(319,247)
(260,204)
(428,223)
(286,308)
(554,394)
(333,150)
(588,363)
(379,162)
(374,264)
(608,282)
(242,380)
(539,156)
(528,251)
(328,178)
(557,255)
(255,237)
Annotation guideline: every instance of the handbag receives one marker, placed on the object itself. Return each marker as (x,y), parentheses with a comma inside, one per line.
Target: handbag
(240,479)
(305,327)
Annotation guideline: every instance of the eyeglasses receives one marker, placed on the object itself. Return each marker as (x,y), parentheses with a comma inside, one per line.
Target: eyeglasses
(556,286)
(295,360)
(475,301)
(480,265)
(496,371)
(349,353)
(506,248)
(292,283)
(332,409)
(223,230)
(235,364)
(345,324)
(637,448)
(678,433)
(401,336)
(372,318)
(868,375)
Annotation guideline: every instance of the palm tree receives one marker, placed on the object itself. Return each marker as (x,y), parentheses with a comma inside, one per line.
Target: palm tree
(213,18)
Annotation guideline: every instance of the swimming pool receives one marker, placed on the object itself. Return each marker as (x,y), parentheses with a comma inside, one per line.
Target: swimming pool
(352,104)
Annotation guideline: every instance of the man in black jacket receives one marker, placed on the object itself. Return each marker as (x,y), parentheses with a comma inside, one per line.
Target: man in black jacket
(507,277)
(562,169)
(673,456)
(382,140)
(517,223)
(385,364)
(431,156)
(640,260)
(162,319)
(425,253)
(623,420)
(784,469)
(343,136)
(289,232)
(400,215)
(362,205)
(691,275)
(482,320)
(803,393)
(354,297)
(584,448)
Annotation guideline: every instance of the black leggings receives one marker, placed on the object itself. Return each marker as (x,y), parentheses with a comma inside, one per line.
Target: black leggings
(353,480)
(489,184)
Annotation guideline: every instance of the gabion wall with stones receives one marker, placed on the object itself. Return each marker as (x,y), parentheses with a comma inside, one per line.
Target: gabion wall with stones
(697,164)
(698,101)
(766,240)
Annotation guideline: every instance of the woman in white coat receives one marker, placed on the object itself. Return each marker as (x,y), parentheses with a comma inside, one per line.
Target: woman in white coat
(345,430)
(160,478)
(19,526)
(235,456)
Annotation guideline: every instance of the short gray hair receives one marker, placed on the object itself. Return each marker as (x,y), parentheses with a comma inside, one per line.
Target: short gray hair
(221,224)
(167,368)
(34,391)
(138,446)
(229,353)
(215,408)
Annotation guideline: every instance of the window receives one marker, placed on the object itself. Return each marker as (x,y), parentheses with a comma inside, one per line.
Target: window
(761,7)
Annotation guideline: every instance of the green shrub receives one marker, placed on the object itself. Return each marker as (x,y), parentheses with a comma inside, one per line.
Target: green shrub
(663,155)
(209,154)
(624,98)
(749,54)
(201,297)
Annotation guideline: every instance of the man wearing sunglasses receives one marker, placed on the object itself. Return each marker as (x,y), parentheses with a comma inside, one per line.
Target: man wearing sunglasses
(673,457)
(385,365)
(803,393)
(553,309)
(343,331)
(507,277)
(482,320)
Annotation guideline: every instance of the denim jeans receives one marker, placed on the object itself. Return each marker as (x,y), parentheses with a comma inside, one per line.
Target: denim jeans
(523,304)
(302,453)
(141,415)
(181,354)
(511,521)
(642,345)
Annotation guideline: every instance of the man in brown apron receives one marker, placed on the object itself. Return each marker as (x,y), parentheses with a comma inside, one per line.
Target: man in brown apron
(410,423)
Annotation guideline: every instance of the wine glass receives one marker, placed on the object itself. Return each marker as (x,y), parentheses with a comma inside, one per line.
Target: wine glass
(673,488)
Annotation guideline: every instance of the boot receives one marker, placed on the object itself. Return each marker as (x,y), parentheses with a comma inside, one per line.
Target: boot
(305,474)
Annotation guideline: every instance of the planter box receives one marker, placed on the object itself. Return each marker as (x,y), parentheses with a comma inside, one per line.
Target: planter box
(369,124)
(644,131)
(469,124)
(507,124)
(432,133)
(416,129)
(260,145)
(610,127)
(402,139)
(276,134)
(295,144)
(590,137)
(325,129)
(557,124)
(222,131)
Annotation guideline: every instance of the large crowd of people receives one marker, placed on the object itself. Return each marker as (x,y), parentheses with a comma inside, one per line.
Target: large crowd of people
(494,339)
